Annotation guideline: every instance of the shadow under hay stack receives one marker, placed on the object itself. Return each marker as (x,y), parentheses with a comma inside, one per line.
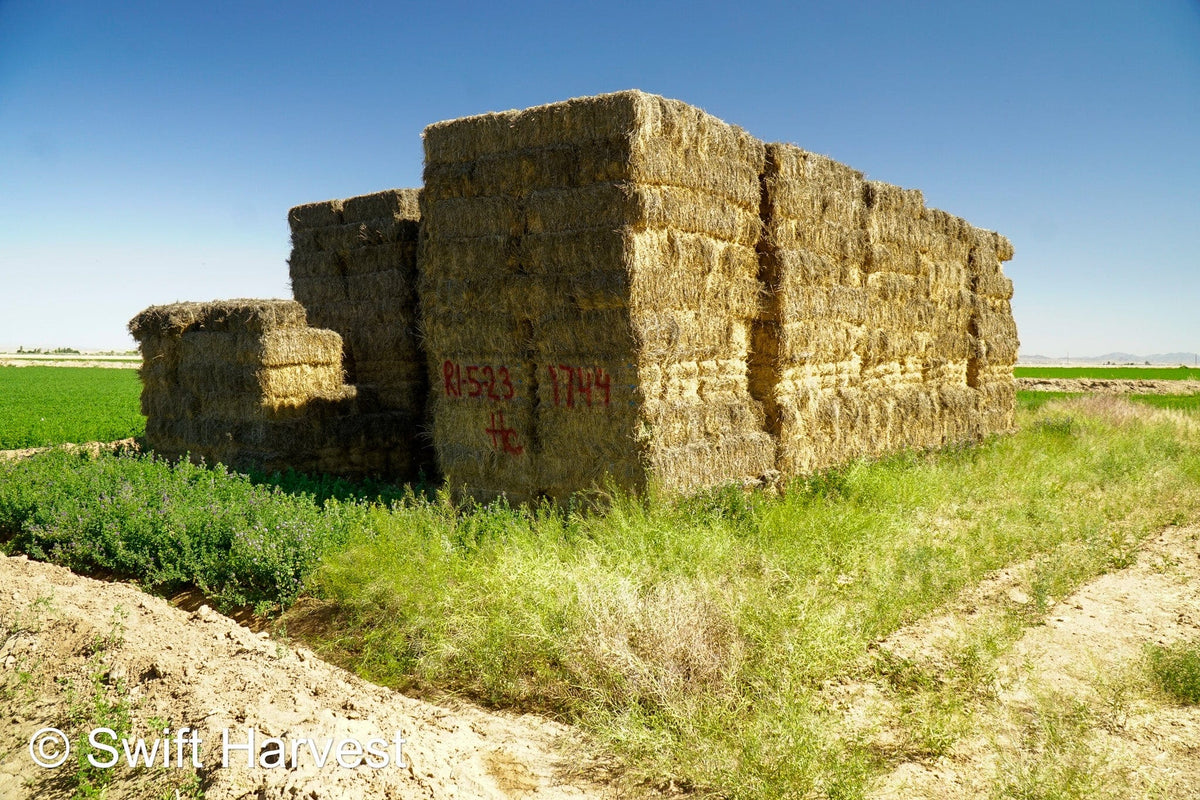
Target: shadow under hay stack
(588,280)
(354,268)
(615,289)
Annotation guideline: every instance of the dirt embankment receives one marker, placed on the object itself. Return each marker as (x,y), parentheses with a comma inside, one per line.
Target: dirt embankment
(1105,386)
(79,654)
(129,445)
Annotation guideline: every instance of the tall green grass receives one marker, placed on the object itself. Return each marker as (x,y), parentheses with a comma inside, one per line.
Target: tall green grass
(1178,402)
(694,637)
(170,526)
(52,405)
(1175,670)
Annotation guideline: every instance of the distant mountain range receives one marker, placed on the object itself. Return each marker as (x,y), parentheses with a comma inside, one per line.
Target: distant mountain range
(1158,359)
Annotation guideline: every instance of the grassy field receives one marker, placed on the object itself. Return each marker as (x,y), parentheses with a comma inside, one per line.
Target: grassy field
(1180,373)
(51,405)
(694,639)
(39,359)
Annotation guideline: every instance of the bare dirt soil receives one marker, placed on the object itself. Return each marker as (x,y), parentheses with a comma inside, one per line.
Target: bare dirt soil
(129,445)
(1070,701)
(78,653)
(1107,386)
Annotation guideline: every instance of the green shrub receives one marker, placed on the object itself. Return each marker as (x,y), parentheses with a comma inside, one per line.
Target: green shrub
(1175,670)
(169,526)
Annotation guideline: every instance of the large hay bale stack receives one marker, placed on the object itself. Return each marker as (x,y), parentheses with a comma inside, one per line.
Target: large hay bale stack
(246,383)
(588,281)
(353,268)
(873,334)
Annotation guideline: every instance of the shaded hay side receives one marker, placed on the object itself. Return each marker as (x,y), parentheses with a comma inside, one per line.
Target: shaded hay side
(353,267)
(245,384)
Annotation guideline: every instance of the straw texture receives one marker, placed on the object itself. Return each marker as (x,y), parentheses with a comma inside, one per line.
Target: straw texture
(588,282)
(353,268)
(884,324)
(247,384)
(614,290)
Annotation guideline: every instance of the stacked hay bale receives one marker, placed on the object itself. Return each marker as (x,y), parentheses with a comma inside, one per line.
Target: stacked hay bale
(246,383)
(588,281)
(236,381)
(902,395)
(990,369)
(353,267)
(811,335)
(865,342)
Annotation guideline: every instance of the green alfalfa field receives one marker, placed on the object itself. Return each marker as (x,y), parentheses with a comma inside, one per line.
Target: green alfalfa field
(46,405)
(700,642)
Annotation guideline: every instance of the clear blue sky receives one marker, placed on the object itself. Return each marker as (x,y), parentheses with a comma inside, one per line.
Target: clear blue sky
(149,151)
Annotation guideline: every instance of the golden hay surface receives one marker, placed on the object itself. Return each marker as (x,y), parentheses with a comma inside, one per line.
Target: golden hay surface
(252,316)
(276,348)
(612,288)
(355,272)
(246,383)
(390,203)
(545,147)
(573,245)
(880,316)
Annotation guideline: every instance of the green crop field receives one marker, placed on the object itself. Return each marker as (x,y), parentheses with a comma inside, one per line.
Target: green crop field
(1179,373)
(51,405)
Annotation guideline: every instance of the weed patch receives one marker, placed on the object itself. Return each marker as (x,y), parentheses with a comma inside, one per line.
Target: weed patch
(1175,670)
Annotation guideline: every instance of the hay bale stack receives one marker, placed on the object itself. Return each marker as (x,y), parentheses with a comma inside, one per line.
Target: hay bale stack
(353,268)
(246,383)
(588,281)
(869,337)
(906,295)
(812,332)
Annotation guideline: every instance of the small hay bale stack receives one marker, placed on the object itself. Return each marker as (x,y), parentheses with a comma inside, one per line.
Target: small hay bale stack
(903,397)
(241,382)
(353,268)
(588,281)
(945,254)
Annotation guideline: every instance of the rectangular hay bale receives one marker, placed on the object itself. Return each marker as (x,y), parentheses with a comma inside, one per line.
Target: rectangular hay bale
(579,245)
